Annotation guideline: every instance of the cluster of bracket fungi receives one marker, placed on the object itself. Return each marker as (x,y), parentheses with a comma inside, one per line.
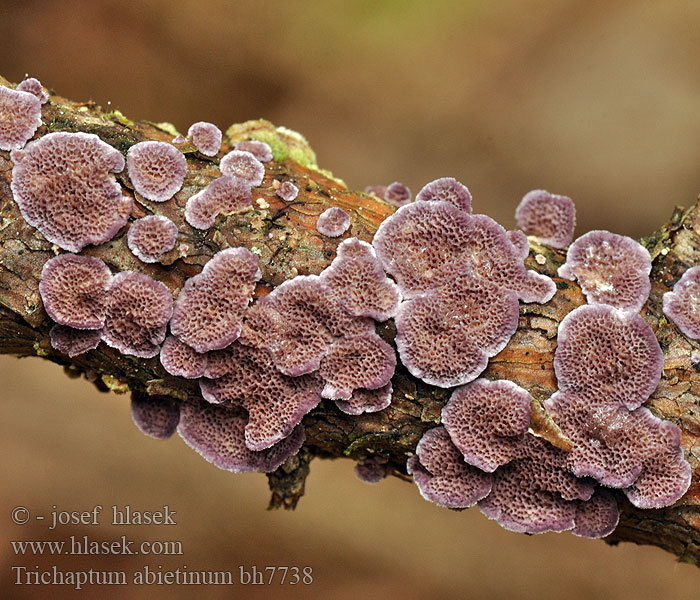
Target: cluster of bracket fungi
(452,281)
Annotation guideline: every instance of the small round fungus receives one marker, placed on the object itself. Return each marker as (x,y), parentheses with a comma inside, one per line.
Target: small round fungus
(358,281)
(74,288)
(366,401)
(156,416)
(209,309)
(333,222)
(611,269)
(63,187)
(225,195)
(519,240)
(206,137)
(287,191)
(608,353)
(151,237)
(72,341)
(397,194)
(20,117)
(156,169)
(33,86)
(486,420)
(447,189)
(597,517)
(217,434)
(371,471)
(376,190)
(682,304)
(138,311)
(244,165)
(351,363)
(260,150)
(549,217)
(441,474)
(180,360)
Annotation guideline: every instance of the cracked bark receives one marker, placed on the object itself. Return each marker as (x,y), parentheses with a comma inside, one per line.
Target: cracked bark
(285,238)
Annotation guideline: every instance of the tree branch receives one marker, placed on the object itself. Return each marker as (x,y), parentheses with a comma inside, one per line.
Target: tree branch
(285,238)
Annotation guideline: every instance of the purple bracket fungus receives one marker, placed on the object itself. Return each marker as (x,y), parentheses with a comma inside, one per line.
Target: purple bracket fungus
(366,401)
(72,341)
(156,169)
(179,139)
(441,474)
(20,117)
(359,362)
(244,165)
(276,403)
(682,304)
(371,471)
(359,283)
(225,195)
(333,222)
(519,240)
(156,416)
(447,189)
(397,194)
(486,421)
(206,137)
(597,517)
(33,86)
(180,360)
(138,311)
(287,191)
(63,187)
(209,309)
(611,269)
(151,237)
(260,150)
(376,190)
(549,217)
(217,434)
(74,288)
(608,353)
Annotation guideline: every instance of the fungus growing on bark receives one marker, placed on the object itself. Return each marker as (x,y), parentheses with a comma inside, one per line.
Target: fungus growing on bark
(359,283)
(366,401)
(597,517)
(74,288)
(180,360)
(287,191)
(371,470)
(156,169)
(611,269)
(63,187)
(72,341)
(397,194)
(682,303)
(20,117)
(151,237)
(209,309)
(225,195)
(441,474)
(486,421)
(363,361)
(549,217)
(376,190)
(138,311)
(33,86)
(206,137)
(260,150)
(247,377)
(333,222)
(608,353)
(156,416)
(244,165)
(217,434)
(447,189)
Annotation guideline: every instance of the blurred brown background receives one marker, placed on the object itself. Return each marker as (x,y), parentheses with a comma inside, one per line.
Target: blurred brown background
(599,100)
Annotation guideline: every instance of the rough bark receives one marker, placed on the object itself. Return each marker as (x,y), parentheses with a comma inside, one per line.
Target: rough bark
(285,238)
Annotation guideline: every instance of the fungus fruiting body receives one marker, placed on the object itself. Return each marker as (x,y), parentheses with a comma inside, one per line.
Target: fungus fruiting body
(72,341)
(397,194)
(287,191)
(20,117)
(244,165)
(611,269)
(63,186)
(333,222)
(371,471)
(682,303)
(366,401)
(180,360)
(33,86)
(156,416)
(260,150)
(447,189)
(549,217)
(225,195)
(151,237)
(156,169)
(206,137)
